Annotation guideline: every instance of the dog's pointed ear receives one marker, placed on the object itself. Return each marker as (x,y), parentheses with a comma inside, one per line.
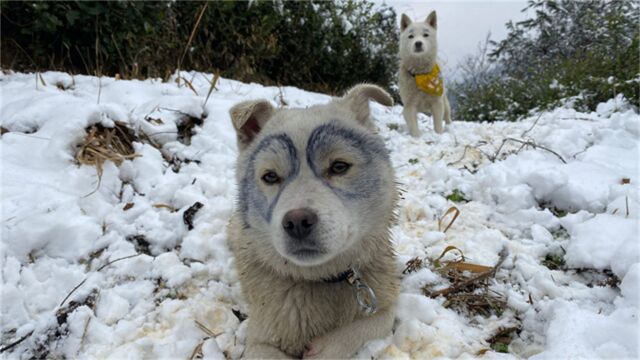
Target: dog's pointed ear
(248,118)
(404,22)
(357,99)
(432,20)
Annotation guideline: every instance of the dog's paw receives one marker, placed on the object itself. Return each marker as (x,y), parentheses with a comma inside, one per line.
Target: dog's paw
(328,347)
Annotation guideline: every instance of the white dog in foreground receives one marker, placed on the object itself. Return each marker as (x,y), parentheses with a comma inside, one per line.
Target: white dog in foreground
(422,89)
(310,232)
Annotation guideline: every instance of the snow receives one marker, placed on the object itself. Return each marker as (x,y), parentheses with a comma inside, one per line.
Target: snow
(162,290)
(617,333)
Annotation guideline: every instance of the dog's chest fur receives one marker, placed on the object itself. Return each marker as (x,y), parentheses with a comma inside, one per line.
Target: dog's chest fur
(292,314)
(289,313)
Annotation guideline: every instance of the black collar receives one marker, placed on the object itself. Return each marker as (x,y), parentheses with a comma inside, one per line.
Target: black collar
(339,277)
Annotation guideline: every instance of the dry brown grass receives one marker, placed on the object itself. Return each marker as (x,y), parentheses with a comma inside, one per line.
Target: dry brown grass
(469,290)
(102,144)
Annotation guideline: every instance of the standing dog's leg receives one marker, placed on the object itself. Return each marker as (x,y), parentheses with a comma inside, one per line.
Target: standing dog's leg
(343,342)
(437,109)
(447,110)
(411,118)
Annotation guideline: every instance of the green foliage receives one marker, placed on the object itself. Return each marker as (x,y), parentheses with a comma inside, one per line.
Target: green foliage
(582,53)
(318,45)
(393,126)
(457,196)
(554,261)
(500,347)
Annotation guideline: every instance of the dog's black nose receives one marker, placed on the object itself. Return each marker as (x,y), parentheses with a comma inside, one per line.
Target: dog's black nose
(418,44)
(298,223)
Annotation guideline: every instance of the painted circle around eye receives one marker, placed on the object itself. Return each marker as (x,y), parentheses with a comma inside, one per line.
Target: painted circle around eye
(339,167)
(270,178)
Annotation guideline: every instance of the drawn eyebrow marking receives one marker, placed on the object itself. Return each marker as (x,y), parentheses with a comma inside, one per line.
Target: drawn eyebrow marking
(249,196)
(370,147)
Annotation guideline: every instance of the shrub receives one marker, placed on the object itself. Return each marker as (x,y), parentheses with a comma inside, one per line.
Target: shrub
(317,45)
(585,51)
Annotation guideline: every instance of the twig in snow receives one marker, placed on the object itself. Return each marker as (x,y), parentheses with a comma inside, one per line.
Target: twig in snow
(197,352)
(626,201)
(99,88)
(280,98)
(477,147)
(72,291)
(464,154)
(580,152)
(577,118)
(524,143)
(16,343)
(536,146)
(116,260)
(100,268)
(84,335)
(174,110)
(205,329)
(482,276)
(532,126)
(190,85)
(213,82)
(42,79)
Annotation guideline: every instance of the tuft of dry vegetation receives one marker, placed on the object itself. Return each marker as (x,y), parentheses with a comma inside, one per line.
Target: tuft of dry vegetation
(469,290)
(102,144)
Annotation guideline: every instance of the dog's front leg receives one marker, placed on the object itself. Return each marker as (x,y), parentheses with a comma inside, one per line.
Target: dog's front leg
(437,110)
(411,118)
(343,342)
(264,351)
(447,110)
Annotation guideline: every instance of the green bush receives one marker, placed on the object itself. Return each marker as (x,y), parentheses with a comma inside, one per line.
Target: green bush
(317,45)
(569,51)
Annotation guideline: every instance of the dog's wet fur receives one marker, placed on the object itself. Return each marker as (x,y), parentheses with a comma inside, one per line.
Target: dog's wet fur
(316,196)
(418,55)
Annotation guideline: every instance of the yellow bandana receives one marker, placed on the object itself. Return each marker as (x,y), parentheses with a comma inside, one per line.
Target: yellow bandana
(431,82)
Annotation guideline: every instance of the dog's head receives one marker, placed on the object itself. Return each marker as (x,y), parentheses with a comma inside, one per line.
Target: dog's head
(313,182)
(418,39)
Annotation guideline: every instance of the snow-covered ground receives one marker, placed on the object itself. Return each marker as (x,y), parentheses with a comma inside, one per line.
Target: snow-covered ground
(140,284)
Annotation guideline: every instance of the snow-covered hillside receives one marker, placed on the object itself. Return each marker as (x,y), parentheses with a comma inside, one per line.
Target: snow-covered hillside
(108,267)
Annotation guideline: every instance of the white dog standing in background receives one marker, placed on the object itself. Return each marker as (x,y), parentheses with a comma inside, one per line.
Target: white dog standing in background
(310,234)
(421,85)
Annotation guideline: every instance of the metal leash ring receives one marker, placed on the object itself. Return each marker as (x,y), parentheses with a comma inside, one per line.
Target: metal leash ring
(366,298)
(364,294)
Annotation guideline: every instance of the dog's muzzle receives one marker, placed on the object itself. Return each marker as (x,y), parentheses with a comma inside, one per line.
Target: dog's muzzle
(299,225)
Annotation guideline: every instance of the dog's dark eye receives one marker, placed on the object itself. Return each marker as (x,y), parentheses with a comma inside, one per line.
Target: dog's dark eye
(410,36)
(426,35)
(270,178)
(339,167)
